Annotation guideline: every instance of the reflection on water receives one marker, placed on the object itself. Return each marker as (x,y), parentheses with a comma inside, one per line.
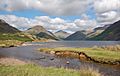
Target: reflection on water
(30,53)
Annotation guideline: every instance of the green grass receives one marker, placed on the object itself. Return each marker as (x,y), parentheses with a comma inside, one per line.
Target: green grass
(96,53)
(17,36)
(34,70)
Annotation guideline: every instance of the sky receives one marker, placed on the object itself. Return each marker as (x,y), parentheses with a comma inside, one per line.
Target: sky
(68,15)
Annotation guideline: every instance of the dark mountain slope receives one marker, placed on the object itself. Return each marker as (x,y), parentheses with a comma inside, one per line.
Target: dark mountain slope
(6,28)
(76,36)
(111,33)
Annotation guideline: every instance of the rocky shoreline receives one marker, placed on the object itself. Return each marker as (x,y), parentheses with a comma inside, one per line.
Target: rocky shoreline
(82,56)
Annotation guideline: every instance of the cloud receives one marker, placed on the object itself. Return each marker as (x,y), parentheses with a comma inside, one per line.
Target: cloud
(102,6)
(107,12)
(108,17)
(51,7)
(86,24)
(18,22)
(23,23)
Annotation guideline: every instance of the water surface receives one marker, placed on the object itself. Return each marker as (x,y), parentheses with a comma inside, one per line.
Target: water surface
(30,53)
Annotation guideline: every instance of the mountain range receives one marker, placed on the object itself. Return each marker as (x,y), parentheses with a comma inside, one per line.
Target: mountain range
(107,32)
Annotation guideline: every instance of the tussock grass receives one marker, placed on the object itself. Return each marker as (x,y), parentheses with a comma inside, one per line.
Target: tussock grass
(21,68)
(111,48)
(34,70)
(89,71)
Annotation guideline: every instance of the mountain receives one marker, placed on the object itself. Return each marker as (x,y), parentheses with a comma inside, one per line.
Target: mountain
(61,34)
(45,35)
(6,28)
(76,36)
(40,32)
(101,28)
(96,31)
(111,33)
(36,30)
(8,32)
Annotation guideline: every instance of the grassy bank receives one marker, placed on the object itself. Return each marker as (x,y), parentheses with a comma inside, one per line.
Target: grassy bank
(34,70)
(10,43)
(11,40)
(99,54)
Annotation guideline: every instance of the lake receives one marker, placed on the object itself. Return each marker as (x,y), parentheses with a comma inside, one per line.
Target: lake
(75,43)
(30,53)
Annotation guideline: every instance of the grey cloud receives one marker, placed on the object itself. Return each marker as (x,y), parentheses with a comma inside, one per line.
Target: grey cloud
(51,7)
(107,11)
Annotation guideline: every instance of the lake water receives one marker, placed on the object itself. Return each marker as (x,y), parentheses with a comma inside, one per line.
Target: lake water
(76,43)
(30,53)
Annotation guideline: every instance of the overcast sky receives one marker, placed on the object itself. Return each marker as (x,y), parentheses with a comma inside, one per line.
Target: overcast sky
(69,15)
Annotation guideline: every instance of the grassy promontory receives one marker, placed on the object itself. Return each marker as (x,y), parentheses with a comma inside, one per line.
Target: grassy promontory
(96,54)
(10,43)
(21,68)
(11,40)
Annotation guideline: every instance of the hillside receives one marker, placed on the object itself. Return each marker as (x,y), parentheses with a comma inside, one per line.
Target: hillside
(45,36)
(76,36)
(6,28)
(111,33)
(96,31)
(61,34)
(8,32)
(40,32)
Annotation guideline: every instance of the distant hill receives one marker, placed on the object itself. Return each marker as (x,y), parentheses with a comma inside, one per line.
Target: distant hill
(76,36)
(111,33)
(40,32)
(6,28)
(61,34)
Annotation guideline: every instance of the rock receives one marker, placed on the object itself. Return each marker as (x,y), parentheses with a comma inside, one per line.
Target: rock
(67,62)
(83,56)
(12,46)
(52,52)
(51,58)
(40,58)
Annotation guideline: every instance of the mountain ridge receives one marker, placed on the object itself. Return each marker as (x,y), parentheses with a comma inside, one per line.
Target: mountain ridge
(111,33)
(6,28)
